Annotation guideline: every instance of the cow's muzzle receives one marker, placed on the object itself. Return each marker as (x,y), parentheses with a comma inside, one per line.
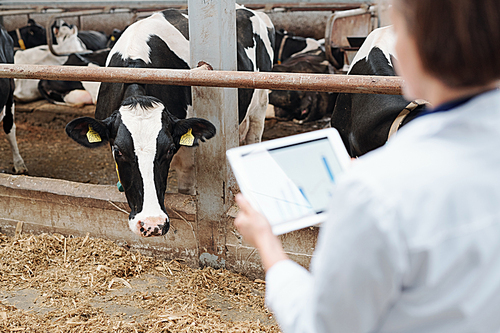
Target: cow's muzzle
(153,226)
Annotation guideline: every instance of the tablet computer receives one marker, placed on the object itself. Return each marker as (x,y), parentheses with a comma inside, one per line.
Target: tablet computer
(289,180)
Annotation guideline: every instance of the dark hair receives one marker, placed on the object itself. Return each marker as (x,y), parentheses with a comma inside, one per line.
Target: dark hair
(458,40)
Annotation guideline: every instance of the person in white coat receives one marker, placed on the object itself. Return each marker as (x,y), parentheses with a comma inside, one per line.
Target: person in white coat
(412,242)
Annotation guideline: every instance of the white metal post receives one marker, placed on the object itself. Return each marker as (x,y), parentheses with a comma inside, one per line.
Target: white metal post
(212,36)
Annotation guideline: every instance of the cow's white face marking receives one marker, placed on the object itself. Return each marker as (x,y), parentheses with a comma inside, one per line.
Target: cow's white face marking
(65,32)
(129,47)
(383,38)
(144,125)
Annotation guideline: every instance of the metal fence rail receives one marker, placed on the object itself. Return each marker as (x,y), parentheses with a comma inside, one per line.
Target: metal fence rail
(388,85)
(163,3)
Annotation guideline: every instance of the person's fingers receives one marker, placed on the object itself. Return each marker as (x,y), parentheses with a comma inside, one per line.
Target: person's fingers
(243,203)
(245,215)
(240,199)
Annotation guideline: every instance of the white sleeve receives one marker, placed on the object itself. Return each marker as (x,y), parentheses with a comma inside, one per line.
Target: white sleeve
(356,272)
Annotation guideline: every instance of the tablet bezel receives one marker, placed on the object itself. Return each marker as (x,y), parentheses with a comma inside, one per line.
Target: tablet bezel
(235,158)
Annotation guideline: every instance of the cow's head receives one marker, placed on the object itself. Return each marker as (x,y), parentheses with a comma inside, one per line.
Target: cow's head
(33,34)
(302,106)
(61,31)
(144,136)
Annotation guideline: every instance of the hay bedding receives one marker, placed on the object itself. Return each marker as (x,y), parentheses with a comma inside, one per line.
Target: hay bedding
(69,275)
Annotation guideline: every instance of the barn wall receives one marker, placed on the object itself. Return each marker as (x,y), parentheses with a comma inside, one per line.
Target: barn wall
(306,24)
(44,205)
(302,23)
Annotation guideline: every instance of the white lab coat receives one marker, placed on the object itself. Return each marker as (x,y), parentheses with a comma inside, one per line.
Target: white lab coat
(412,243)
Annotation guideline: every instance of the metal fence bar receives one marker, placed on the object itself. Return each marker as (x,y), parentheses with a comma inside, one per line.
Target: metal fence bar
(388,85)
(166,3)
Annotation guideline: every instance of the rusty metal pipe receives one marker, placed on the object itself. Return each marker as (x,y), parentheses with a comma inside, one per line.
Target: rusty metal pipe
(18,12)
(388,85)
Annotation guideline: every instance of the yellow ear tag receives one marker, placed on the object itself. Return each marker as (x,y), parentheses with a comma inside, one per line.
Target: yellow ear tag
(92,136)
(187,139)
(21,44)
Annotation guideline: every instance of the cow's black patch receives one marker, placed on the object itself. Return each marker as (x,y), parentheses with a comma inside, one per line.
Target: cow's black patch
(364,120)
(244,28)
(179,21)
(93,40)
(262,57)
(292,45)
(32,35)
(6,85)
(122,145)
(55,91)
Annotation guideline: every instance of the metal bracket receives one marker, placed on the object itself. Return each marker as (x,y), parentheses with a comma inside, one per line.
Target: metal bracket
(365,9)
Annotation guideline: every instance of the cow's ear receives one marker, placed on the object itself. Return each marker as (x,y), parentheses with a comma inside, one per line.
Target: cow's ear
(188,132)
(88,132)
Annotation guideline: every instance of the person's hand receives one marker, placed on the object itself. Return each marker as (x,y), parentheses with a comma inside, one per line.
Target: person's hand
(251,224)
(257,231)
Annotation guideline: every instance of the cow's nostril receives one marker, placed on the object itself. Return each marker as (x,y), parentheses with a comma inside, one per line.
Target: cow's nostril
(165,228)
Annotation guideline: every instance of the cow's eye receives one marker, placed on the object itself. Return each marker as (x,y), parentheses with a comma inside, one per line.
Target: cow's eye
(171,150)
(117,153)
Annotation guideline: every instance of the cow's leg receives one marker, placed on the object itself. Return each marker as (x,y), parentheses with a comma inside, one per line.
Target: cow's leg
(183,163)
(19,166)
(256,117)
(10,129)
(243,130)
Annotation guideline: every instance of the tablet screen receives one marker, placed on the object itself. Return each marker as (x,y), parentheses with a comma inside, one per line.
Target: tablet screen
(292,181)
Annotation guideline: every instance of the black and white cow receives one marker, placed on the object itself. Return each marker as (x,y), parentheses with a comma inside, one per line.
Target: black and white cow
(74,93)
(288,45)
(33,35)
(144,136)
(29,36)
(113,38)
(365,120)
(93,40)
(303,106)
(27,89)
(147,124)
(7,101)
